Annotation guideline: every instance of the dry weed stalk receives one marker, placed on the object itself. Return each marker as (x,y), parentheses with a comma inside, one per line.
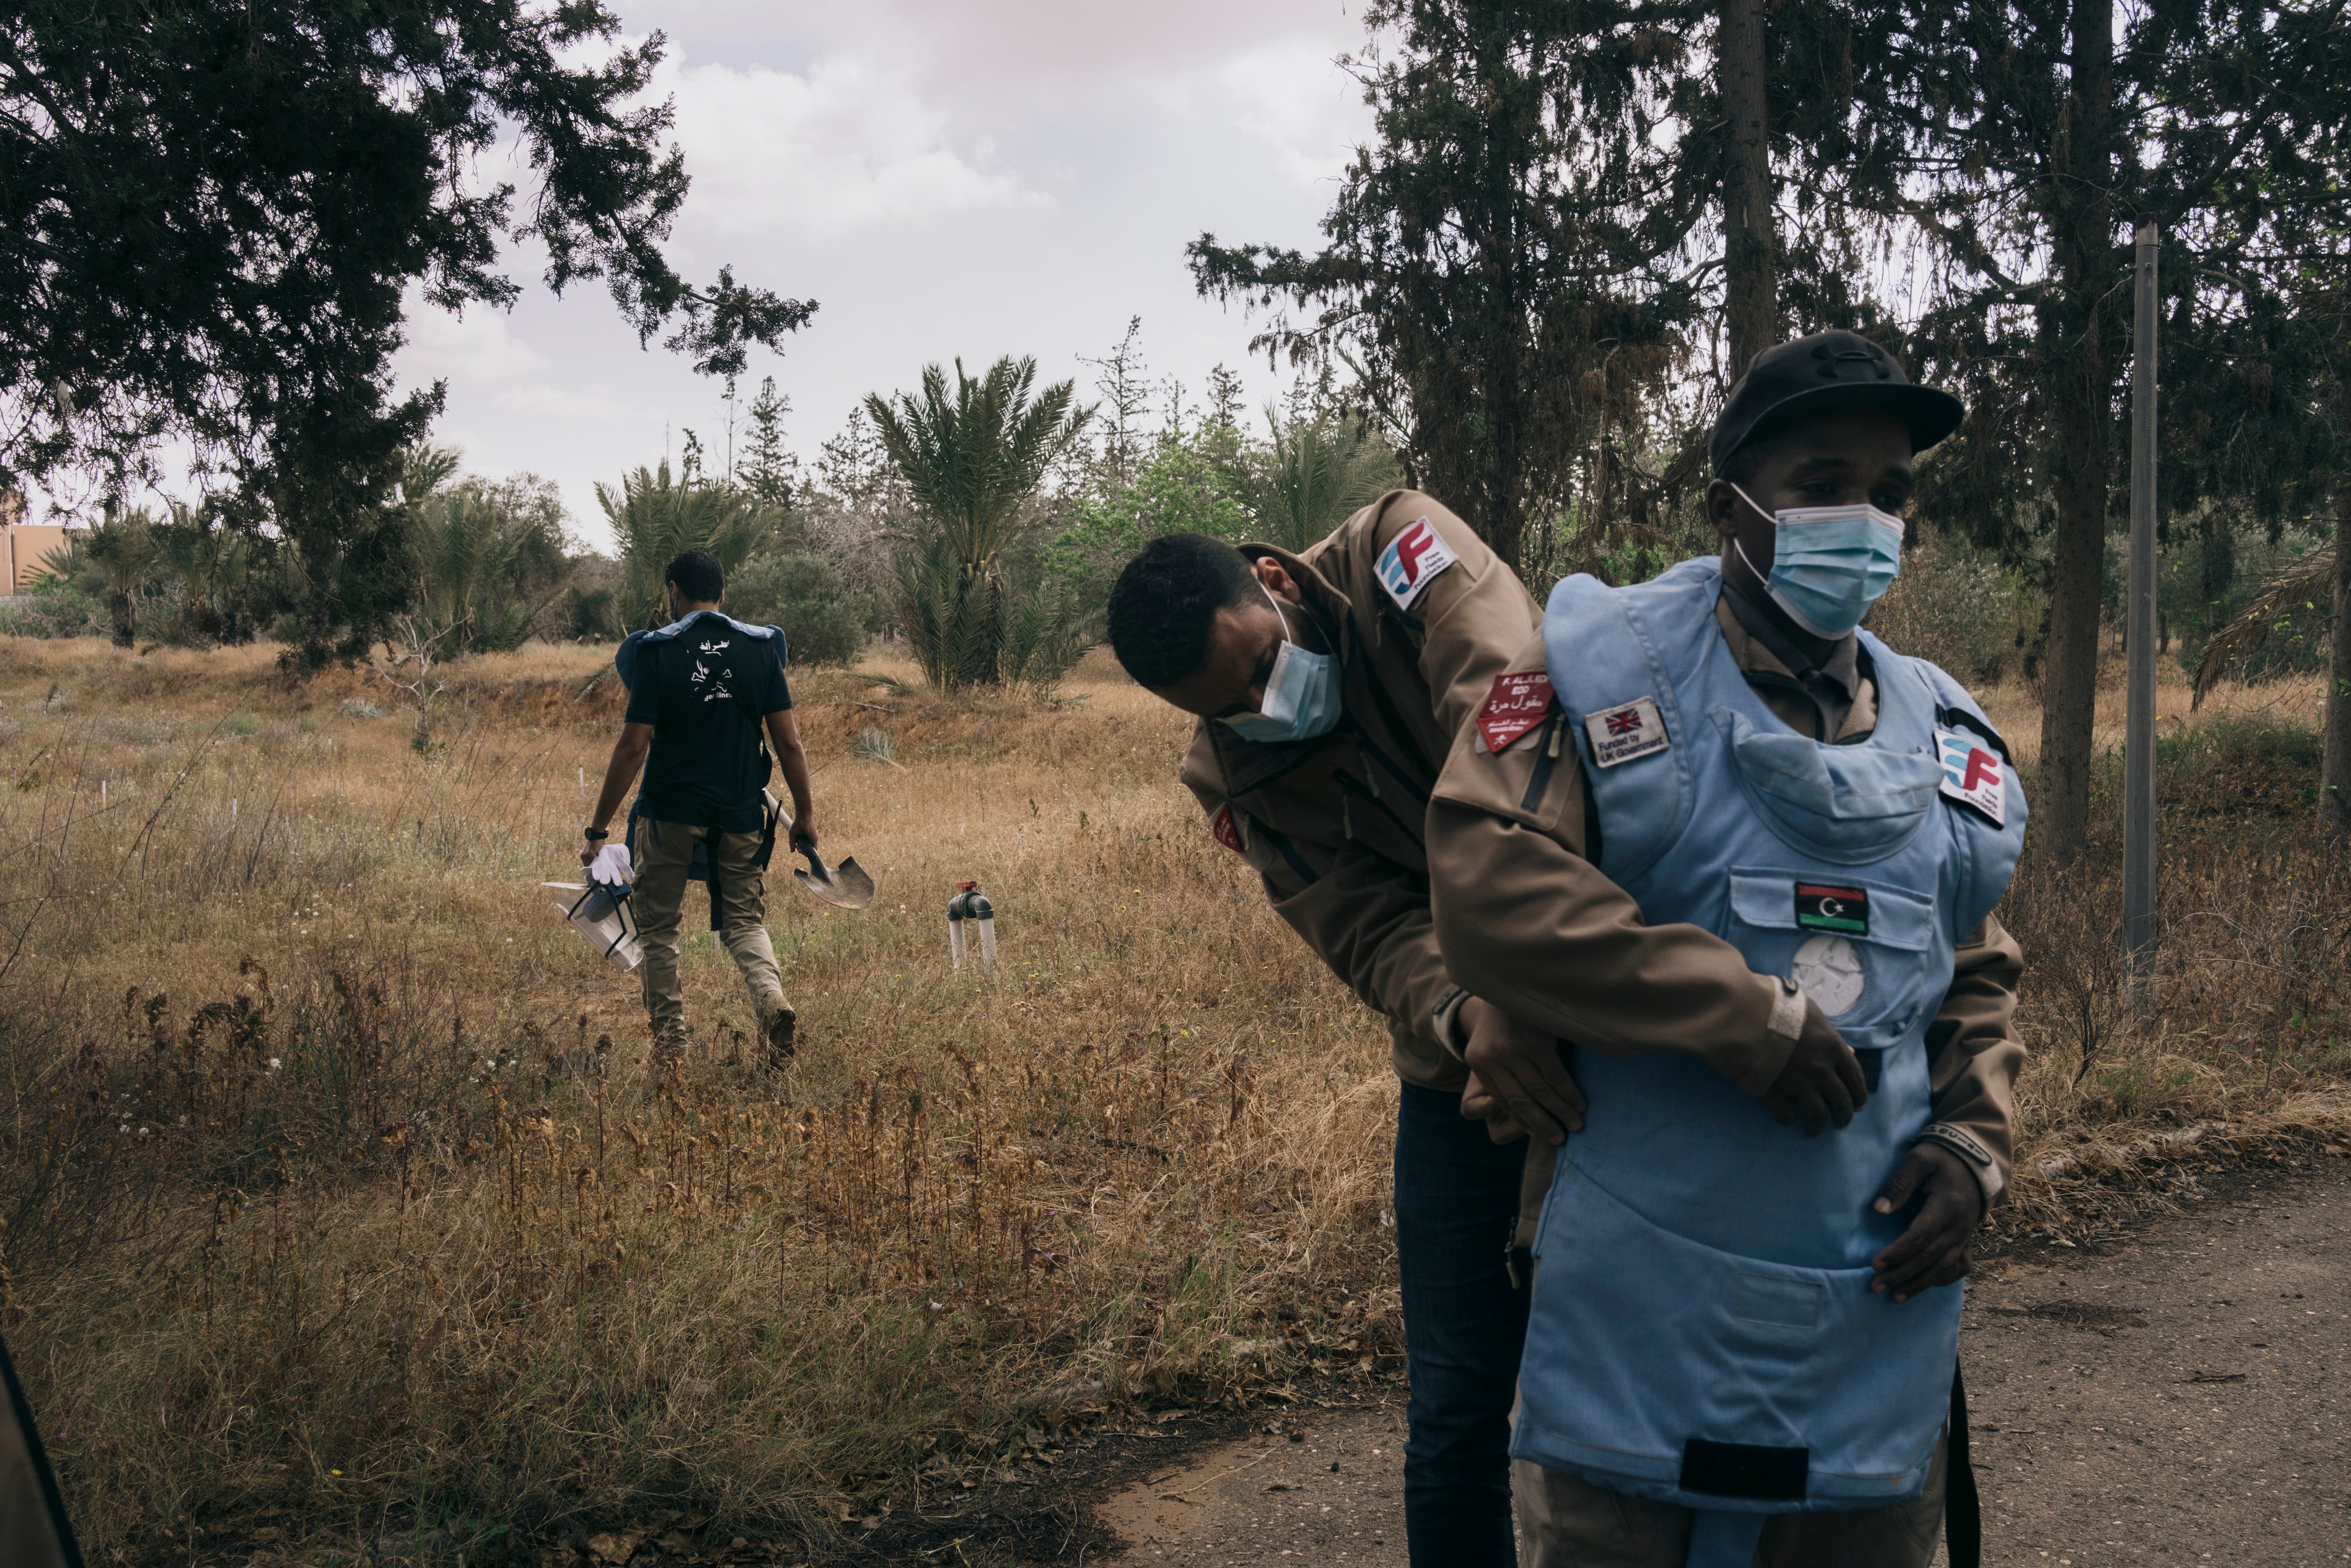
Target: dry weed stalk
(376,1206)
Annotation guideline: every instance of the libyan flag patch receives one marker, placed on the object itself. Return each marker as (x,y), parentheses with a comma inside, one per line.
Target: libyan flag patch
(1820,907)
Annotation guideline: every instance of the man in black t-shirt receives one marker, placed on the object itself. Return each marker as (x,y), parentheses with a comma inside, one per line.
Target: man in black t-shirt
(702,690)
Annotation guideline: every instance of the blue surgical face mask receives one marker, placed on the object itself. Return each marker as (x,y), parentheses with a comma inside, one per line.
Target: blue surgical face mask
(1302,696)
(1830,564)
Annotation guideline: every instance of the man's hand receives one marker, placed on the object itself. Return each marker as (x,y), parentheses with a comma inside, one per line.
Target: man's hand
(804,829)
(1934,1250)
(1480,1103)
(611,868)
(1520,1067)
(1822,1082)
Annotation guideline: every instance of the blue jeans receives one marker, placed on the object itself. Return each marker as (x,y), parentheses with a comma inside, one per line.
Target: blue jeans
(1457,1211)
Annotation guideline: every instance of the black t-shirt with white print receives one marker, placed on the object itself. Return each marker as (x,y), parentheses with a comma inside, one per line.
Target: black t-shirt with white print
(700,690)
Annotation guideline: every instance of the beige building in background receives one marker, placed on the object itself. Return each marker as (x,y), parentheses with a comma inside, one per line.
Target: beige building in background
(23,545)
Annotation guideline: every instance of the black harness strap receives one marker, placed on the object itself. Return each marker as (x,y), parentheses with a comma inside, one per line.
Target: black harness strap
(1962,1509)
(1554,736)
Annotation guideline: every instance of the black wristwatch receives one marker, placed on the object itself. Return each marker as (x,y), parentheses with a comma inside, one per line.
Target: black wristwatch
(594,834)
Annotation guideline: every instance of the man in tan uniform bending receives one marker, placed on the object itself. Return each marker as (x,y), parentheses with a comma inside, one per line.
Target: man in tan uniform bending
(1821,435)
(1330,685)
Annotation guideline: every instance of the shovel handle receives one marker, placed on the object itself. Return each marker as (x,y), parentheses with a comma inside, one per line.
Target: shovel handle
(801,847)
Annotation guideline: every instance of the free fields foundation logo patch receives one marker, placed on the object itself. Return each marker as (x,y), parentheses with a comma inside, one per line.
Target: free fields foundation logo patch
(1973,776)
(1413,561)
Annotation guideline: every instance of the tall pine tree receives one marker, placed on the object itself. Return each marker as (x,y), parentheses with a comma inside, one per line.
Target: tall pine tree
(2035,139)
(1497,262)
(767,470)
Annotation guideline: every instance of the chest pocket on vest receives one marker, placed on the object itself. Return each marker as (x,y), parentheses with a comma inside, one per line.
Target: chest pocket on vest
(1848,805)
(1859,948)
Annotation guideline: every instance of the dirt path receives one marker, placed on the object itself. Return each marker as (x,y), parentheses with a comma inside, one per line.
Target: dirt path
(2184,1398)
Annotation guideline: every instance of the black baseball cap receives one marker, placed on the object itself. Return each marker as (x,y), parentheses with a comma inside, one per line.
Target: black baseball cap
(1828,373)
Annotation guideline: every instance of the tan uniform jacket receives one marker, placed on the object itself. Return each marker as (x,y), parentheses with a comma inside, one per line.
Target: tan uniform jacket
(1528,924)
(1334,825)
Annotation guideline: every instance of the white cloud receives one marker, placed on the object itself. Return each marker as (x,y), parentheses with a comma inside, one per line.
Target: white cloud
(586,406)
(838,148)
(479,346)
(1292,99)
(948,177)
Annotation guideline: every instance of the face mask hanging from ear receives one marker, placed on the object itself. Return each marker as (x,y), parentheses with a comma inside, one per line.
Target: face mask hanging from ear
(1302,696)
(1829,564)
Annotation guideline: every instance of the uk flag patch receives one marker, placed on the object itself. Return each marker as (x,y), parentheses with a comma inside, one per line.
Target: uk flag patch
(1413,561)
(1628,730)
(1974,775)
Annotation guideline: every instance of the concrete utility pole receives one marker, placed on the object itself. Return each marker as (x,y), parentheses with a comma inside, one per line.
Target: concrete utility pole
(2138,730)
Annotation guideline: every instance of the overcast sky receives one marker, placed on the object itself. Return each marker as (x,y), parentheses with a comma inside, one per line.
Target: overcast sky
(1012,176)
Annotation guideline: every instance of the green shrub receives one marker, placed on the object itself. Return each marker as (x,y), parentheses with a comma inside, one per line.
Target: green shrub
(2238,767)
(54,607)
(823,619)
(1959,607)
(1044,637)
(592,615)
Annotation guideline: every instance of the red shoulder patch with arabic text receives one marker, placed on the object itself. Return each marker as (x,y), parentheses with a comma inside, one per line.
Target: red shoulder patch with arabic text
(1516,705)
(1224,828)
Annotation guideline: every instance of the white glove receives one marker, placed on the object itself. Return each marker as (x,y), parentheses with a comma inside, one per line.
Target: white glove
(611,866)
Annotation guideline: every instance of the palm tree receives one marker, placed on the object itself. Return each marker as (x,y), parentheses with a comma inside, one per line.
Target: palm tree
(655,518)
(972,464)
(1319,471)
(466,545)
(214,565)
(123,553)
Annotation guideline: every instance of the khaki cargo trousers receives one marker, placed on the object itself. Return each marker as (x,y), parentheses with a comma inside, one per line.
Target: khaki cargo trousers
(1565,1522)
(665,852)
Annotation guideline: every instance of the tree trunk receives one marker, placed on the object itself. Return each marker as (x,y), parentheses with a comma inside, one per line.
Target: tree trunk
(1751,303)
(2074,352)
(124,613)
(2334,783)
(982,659)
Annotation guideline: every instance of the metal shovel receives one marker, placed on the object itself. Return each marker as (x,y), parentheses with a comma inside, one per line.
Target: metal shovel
(845,885)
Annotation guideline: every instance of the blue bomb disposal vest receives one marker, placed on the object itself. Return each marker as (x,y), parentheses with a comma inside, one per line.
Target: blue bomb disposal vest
(1703,1330)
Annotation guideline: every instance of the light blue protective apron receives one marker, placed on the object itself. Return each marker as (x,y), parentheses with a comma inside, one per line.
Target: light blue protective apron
(1703,1331)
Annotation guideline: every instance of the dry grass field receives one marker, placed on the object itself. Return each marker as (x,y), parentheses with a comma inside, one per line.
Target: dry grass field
(342,1199)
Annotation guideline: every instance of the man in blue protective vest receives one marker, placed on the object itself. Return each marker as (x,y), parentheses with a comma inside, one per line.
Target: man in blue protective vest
(1746,863)
(704,692)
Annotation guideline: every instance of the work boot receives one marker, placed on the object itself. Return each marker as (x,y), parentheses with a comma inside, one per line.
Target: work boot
(669,1046)
(781,1023)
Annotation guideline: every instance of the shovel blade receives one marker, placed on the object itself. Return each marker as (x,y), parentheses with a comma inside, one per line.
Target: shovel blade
(846,884)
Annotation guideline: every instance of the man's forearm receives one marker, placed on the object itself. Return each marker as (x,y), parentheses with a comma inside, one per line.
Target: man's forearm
(1978,1056)
(619,774)
(793,761)
(1533,928)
